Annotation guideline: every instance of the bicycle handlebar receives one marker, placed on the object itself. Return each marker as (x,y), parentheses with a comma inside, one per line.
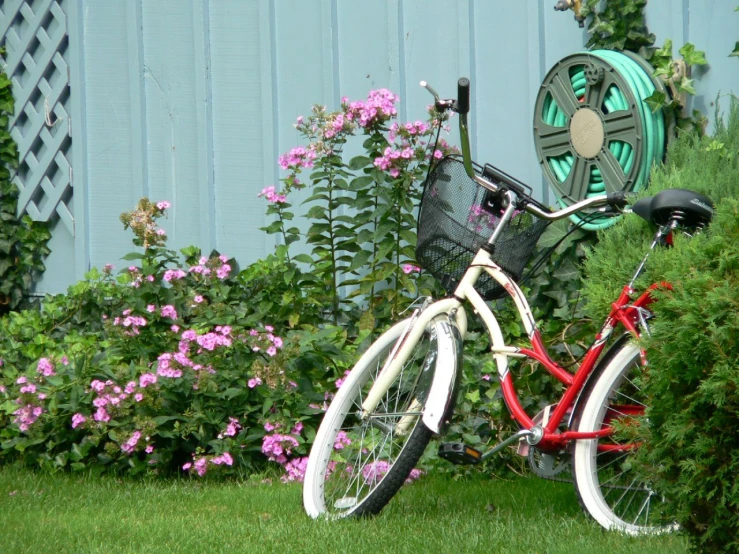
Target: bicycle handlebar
(463,96)
(615,200)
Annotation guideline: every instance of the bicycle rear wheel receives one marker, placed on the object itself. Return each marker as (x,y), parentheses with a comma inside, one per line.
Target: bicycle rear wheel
(356,464)
(608,486)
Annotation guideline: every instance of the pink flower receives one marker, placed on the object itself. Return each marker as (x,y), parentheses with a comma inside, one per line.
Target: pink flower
(21,380)
(408,268)
(277,447)
(138,397)
(186,466)
(108,268)
(224,458)
(232,428)
(200,466)
(151,308)
(163,205)
(173,275)
(374,471)
(147,379)
(101,415)
(254,382)
(198,299)
(295,470)
(26,415)
(486,377)
(341,380)
(161,232)
(169,311)
(296,158)
(64,360)
(77,420)
(149,449)
(223,271)
(130,445)
(341,440)
(175,328)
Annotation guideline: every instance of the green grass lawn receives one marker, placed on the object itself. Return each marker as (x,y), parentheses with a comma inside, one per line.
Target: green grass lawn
(70,513)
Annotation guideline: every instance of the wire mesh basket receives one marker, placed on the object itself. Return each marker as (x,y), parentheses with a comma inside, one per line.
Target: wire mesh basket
(456,218)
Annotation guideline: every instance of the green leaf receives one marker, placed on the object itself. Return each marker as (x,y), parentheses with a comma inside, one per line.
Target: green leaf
(133,256)
(303,258)
(360,259)
(473,396)
(367,321)
(358,162)
(735,52)
(361,183)
(693,56)
(686,85)
(656,101)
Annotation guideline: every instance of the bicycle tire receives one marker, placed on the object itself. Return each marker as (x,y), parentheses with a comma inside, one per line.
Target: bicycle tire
(607,487)
(357,473)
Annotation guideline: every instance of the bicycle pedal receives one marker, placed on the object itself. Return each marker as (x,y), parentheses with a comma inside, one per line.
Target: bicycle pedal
(458,453)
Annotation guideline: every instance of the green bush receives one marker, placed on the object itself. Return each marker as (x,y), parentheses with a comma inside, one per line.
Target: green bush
(183,363)
(172,365)
(691,447)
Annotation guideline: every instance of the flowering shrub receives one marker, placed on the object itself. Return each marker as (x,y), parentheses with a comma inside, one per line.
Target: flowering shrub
(362,226)
(182,363)
(168,366)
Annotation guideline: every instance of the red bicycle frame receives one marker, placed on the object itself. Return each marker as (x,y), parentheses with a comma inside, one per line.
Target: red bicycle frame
(625,312)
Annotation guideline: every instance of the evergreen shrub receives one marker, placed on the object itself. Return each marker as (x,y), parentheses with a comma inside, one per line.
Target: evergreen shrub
(691,447)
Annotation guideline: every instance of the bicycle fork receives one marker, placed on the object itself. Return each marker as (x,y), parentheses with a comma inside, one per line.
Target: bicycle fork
(450,324)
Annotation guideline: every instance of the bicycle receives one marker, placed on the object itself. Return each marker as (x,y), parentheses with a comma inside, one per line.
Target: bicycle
(477,229)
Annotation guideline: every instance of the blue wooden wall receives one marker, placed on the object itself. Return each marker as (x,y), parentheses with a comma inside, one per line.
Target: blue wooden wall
(192,101)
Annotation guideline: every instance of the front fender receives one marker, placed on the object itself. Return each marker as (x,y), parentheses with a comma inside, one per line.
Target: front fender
(442,395)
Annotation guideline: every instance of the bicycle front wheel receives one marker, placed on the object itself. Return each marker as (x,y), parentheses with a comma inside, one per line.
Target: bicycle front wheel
(357,464)
(607,483)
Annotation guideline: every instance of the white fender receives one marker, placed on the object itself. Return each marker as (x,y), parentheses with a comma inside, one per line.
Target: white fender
(443,392)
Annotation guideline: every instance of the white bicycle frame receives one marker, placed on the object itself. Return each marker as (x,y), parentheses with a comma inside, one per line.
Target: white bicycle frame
(442,387)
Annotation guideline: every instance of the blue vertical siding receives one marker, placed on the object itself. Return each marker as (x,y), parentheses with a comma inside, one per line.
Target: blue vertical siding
(193,100)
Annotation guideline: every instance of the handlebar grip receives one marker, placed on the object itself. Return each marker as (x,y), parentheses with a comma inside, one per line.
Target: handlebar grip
(463,95)
(617,199)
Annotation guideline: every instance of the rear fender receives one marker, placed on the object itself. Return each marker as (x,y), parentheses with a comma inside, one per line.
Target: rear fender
(593,377)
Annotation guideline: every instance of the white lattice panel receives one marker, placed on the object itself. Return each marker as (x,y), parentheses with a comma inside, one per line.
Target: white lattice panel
(34,34)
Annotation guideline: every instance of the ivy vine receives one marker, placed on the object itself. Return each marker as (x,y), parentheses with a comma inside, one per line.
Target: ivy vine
(622,26)
(23,242)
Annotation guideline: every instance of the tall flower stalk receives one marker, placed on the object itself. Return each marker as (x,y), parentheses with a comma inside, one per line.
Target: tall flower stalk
(360,215)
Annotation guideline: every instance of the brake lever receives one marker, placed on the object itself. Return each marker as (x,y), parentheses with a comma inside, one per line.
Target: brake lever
(441,105)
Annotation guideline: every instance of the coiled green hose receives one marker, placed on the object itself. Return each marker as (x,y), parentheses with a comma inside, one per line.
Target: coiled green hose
(653,125)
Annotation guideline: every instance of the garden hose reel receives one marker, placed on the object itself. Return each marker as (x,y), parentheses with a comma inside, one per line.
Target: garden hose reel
(593,131)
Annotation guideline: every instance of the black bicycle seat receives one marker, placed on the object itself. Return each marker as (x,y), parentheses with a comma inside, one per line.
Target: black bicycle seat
(694,209)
